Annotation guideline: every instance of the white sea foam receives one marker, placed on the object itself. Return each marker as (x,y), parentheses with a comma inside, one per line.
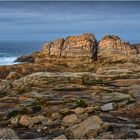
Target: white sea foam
(7,60)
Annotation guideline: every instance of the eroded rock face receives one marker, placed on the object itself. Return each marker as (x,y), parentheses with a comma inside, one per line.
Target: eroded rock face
(83,46)
(111,44)
(72,46)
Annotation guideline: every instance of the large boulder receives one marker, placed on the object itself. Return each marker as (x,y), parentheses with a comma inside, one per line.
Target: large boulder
(70,120)
(111,44)
(87,129)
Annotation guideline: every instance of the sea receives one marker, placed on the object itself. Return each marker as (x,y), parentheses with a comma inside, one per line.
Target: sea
(10,50)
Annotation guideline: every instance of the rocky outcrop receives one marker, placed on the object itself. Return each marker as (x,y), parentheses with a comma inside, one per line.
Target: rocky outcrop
(82,46)
(72,46)
(111,44)
(27,58)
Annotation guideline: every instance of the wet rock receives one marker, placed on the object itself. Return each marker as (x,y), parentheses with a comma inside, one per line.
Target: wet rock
(70,120)
(108,107)
(61,137)
(29,121)
(7,133)
(79,110)
(89,128)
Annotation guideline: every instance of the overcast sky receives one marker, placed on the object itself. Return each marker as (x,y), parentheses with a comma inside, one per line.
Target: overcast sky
(49,20)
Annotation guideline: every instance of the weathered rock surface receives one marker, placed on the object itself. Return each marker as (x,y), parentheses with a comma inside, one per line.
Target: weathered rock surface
(29,121)
(79,110)
(87,129)
(82,47)
(41,79)
(111,44)
(73,46)
(4,88)
(70,120)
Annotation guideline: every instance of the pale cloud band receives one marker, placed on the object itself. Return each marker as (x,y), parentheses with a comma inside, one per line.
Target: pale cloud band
(49,20)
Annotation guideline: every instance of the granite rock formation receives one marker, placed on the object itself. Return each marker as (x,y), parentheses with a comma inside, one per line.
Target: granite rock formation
(72,46)
(81,47)
(111,44)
